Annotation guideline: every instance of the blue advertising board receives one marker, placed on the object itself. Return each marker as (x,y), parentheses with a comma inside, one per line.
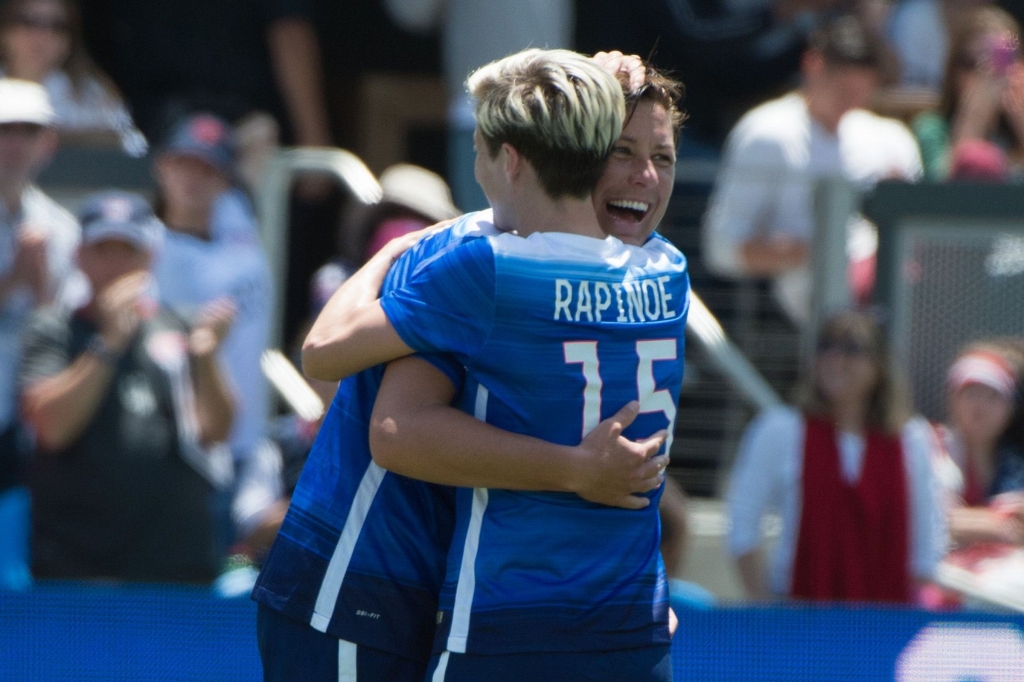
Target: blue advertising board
(148,633)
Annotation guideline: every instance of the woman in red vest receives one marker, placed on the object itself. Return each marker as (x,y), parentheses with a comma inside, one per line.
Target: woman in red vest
(848,470)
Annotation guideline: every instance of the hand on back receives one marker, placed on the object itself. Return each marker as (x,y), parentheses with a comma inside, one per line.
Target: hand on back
(614,470)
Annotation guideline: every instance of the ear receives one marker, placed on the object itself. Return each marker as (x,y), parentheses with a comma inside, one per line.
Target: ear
(513,161)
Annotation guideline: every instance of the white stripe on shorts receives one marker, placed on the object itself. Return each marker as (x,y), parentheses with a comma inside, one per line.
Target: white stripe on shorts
(442,668)
(346,661)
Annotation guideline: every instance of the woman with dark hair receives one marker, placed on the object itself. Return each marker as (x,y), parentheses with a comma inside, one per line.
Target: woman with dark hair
(41,41)
(978,130)
(849,471)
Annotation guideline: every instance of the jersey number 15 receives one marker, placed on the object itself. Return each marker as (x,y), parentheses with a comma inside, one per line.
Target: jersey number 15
(651,400)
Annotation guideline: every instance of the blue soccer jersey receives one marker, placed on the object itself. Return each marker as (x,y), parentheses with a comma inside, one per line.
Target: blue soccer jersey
(556,333)
(361,552)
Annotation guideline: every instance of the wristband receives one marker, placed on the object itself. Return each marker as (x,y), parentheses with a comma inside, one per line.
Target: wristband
(99,348)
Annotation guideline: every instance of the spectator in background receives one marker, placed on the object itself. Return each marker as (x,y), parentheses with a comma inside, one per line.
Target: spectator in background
(476,32)
(984,460)
(41,41)
(851,475)
(412,198)
(256,64)
(212,251)
(760,218)
(37,243)
(127,404)
(731,55)
(978,130)
(919,31)
(229,57)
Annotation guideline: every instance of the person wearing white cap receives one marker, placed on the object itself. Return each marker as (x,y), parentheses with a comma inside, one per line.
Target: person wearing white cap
(37,242)
(986,479)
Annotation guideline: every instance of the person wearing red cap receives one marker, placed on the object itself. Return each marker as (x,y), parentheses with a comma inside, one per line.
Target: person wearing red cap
(984,462)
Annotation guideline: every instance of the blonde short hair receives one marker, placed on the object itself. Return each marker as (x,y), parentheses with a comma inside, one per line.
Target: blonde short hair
(557,108)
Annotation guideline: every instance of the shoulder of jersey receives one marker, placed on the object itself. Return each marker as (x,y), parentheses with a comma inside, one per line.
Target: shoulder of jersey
(571,248)
(661,244)
(477,224)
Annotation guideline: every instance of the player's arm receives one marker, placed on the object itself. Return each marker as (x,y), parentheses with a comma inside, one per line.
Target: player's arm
(360,339)
(352,333)
(415,432)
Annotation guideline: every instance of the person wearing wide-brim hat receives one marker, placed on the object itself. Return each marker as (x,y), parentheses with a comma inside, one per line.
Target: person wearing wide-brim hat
(412,198)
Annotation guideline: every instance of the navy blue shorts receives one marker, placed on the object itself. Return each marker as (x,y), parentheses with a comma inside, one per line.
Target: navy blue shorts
(293,651)
(650,664)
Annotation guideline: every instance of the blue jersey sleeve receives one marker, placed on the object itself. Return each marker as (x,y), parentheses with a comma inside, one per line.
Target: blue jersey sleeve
(399,275)
(448,304)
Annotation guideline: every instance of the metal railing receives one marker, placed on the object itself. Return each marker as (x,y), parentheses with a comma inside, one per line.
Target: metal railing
(703,327)
(273,202)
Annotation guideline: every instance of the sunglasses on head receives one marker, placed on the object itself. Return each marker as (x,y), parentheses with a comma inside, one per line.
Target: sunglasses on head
(846,346)
(43,23)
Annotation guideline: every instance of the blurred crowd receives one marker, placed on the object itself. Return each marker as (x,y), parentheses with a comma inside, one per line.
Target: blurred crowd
(138,441)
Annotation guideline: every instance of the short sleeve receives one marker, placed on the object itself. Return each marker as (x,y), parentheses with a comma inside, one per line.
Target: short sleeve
(448,365)
(448,303)
(46,351)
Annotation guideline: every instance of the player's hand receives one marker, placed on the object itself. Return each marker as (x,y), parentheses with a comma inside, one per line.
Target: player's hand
(612,469)
(673,622)
(213,324)
(625,67)
(119,309)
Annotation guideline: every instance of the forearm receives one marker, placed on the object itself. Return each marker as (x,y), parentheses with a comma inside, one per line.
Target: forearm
(441,444)
(59,408)
(765,257)
(322,357)
(214,403)
(295,54)
(977,524)
(751,570)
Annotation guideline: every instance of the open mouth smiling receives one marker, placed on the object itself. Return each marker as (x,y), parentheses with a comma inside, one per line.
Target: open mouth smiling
(627,210)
